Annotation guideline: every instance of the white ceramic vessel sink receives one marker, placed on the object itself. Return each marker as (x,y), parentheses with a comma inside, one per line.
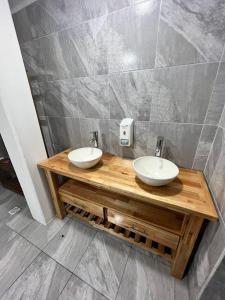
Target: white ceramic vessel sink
(155,171)
(85,158)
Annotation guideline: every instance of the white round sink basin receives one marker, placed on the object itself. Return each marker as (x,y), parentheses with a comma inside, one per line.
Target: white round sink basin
(85,158)
(154,170)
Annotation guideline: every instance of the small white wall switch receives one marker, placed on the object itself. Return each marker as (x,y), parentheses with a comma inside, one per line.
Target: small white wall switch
(126,132)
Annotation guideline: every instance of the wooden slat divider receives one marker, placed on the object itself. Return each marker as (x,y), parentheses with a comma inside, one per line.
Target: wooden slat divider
(137,237)
(117,231)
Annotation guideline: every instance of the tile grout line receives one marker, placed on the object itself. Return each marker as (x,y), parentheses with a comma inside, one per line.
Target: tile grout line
(128,71)
(211,97)
(65,285)
(85,252)
(42,251)
(23,271)
(210,100)
(128,256)
(210,151)
(137,121)
(105,15)
(157,36)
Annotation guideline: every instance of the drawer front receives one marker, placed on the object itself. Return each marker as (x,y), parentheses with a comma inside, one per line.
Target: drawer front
(155,234)
(85,205)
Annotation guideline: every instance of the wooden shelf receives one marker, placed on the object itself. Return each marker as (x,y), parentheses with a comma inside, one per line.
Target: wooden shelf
(74,192)
(122,233)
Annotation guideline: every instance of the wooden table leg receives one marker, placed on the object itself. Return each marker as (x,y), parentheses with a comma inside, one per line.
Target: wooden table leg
(53,185)
(186,246)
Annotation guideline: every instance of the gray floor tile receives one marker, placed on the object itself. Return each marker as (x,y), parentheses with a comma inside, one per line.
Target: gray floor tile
(146,278)
(39,234)
(16,254)
(20,220)
(70,243)
(76,289)
(44,279)
(103,264)
(8,200)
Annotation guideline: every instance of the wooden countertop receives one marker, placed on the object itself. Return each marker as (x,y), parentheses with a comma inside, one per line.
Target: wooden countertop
(188,193)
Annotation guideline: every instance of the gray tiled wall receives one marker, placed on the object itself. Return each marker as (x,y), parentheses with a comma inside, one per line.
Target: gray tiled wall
(216,287)
(92,62)
(212,246)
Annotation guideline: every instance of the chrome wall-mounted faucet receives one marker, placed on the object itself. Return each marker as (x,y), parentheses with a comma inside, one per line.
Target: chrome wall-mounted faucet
(94,139)
(159,146)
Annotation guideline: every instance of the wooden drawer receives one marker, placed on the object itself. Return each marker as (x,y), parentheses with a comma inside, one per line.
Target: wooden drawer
(162,218)
(87,206)
(155,234)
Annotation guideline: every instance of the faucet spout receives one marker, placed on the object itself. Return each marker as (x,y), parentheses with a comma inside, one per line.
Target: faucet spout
(94,139)
(159,146)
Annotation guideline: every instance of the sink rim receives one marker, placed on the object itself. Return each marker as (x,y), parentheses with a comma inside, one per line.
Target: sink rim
(95,156)
(156,177)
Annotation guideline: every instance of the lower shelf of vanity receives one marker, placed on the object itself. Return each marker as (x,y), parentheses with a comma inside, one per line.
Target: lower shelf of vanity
(152,228)
(122,233)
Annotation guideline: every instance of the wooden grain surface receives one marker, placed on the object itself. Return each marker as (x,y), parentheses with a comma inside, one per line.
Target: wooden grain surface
(187,193)
(78,193)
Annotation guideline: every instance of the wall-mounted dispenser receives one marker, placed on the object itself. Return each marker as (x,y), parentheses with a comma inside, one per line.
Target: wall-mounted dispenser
(126,132)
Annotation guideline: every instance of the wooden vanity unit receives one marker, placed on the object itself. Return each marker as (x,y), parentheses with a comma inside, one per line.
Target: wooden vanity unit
(163,220)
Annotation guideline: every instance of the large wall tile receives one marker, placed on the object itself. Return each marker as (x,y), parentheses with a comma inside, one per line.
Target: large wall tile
(182,94)
(69,13)
(132,36)
(130,95)
(65,131)
(180,141)
(102,126)
(204,146)
(140,145)
(38,93)
(214,155)
(222,120)
(107,6)
(17,5)
(60,99)
(217,102)
(92,97)
(22,25)
(55,64)
(209,251)
(33,22)
(217,180)
(190,32)
(84,48)
(76,52)
(223,56)
(33,60)
(216,288)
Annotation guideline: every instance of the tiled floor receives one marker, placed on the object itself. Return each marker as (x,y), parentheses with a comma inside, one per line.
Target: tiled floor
(70,260)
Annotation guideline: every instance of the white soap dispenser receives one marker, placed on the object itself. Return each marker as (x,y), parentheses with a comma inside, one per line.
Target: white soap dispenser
(126,132)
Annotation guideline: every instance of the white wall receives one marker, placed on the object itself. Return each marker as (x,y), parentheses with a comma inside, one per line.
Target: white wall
(18,121)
